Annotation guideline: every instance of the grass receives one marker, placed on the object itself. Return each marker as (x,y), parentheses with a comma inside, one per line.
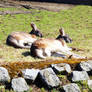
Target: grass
(83,86)
(77,22)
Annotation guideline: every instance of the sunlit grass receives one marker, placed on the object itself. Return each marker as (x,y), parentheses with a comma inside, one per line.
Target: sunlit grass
(77,22)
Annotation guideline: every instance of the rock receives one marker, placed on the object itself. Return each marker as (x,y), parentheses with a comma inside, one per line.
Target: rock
(90,84)
(86,65)
(79,75)
(71,88)
(49,78)
(4,75)
(62,67)
(19,85)
(30,74)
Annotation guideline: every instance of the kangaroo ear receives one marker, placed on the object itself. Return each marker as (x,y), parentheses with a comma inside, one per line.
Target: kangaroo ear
(32,22)
(62,33)
(33,25)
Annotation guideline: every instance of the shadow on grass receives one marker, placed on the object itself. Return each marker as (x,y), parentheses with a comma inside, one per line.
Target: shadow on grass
(27,53)
(80,2)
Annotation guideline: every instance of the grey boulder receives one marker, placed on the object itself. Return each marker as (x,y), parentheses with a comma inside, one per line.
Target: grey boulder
(62,67)
(71,88)
(79,75)
(30,74)
(4,75)
(86,65)
(90,84)
(19,85)
(49,78)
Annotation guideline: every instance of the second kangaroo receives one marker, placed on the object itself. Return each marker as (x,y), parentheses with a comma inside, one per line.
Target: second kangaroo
(43,48)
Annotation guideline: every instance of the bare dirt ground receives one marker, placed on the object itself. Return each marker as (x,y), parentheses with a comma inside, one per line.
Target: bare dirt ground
(36,5)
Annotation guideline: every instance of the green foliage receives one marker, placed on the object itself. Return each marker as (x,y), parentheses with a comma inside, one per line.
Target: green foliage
(30,90)
(43,90)
(61,76)
(54,90)
(83,86)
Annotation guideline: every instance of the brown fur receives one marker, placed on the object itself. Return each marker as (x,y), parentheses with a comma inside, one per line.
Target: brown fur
(22,39)
(43,48)
(21,35)
(43,43)
(33,36)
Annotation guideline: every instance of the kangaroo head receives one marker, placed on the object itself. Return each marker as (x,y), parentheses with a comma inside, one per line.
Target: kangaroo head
(63,36)
(35,31)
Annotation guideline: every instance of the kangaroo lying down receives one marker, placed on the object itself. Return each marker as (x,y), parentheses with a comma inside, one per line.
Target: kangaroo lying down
(22,39)
(43,48)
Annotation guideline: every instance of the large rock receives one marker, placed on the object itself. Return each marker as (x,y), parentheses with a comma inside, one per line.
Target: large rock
(19,85)
(71,88)
(30,74)
(4,75)
(49,78)
(86,66)
(62,67)
(90,84)
(79,75)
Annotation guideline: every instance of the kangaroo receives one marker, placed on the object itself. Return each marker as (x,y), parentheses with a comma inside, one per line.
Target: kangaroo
(43,48)
(22,39)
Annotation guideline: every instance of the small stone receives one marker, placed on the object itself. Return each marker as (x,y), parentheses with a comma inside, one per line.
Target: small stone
(79,75)
(86,65)
(19,85)
(30,74)
(62,67)
(90,84)
(49,78)
(71,88)
(4,75)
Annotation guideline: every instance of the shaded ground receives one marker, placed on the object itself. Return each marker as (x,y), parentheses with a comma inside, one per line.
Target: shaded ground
(81,2)
(36,5)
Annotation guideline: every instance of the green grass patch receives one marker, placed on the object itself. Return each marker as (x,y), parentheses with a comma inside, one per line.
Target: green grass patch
(77,22)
